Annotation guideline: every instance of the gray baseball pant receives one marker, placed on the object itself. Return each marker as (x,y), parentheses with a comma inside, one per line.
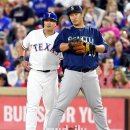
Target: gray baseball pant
(71,84)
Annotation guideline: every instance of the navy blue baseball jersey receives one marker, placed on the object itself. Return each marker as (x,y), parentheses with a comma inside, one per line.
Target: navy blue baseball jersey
(76,62)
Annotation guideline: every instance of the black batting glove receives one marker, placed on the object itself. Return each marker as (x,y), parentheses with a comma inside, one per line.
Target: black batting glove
(92,49)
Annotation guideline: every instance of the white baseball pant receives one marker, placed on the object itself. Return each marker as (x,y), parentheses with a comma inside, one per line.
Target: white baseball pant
(40,85)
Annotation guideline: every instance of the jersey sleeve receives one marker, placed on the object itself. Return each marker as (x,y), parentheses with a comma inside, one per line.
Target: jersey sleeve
(26,41)
(61,38)
(101,40)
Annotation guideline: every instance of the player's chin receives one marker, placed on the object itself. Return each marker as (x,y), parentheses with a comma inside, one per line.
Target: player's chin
(75,24)
(49,28)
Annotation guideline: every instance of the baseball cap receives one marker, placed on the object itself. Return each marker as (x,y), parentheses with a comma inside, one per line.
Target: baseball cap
(127,7)
(128,18)
(3,76)
(74,8)
(49,15)
(3,70)
(2,35)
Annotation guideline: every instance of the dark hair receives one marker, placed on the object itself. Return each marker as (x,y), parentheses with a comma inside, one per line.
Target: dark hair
(2,56)
(16,62)
(94,2)
(4,77)
(125,29)
(124,79)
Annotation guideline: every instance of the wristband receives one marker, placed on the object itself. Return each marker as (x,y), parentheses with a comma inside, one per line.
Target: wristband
(21,58)
(70,46)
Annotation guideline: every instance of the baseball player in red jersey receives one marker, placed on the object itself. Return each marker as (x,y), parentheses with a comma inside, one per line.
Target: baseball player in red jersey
(43,64)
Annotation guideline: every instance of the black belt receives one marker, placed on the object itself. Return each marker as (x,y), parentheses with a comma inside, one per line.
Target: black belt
(85,70)
(45,71)
(82,70)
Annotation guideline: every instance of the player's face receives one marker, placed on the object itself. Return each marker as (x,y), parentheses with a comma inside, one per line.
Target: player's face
(49,24)
(76,18)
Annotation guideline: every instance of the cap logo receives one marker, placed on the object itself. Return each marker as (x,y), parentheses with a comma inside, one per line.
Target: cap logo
(72,8)
(49,15)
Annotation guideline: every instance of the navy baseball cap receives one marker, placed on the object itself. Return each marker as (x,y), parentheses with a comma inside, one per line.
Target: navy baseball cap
(49,15)
(74,8)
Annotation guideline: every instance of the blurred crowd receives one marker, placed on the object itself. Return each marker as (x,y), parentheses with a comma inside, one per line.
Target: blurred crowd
(111,17)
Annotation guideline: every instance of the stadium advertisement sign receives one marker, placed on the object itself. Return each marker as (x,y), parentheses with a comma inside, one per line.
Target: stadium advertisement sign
(78,115)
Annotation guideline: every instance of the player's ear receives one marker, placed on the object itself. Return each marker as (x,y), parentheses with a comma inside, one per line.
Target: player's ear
(56,24)
(42,23)
(82,15)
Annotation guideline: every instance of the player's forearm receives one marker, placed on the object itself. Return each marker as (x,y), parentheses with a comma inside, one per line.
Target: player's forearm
(100,48)
(21,51)
(64,47)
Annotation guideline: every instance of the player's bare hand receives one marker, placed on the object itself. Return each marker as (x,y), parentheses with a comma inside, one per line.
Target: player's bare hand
(26,65)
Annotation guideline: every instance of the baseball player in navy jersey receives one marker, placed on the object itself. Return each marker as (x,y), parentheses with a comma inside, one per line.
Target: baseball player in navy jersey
(43,64)
(80,69)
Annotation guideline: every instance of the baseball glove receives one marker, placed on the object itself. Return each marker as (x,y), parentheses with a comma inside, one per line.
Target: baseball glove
(80,47)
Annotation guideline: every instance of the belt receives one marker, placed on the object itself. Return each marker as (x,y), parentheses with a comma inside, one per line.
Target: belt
(82,70)
(45,71)
(85,70)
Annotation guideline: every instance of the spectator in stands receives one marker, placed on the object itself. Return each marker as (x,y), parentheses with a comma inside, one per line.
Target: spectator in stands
(66,24)
(68,3)
(115,18)
(5,46)
(61,6)
(107,26)
(24,84)
(2,2)
(8,8)
(126,20)
(2,60)
(110,39)
(16,77)
(124,37)
(3,80)
(112,6)
(102,4)
(105,77)
(59,9)
(2,57)
(124,33)
(41,6)
(122,4)
(23,14)
(120,58)
(119,79)
(88,20)
(20,33)
(5,22)
(61,21)
(90,7)
(90,13)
